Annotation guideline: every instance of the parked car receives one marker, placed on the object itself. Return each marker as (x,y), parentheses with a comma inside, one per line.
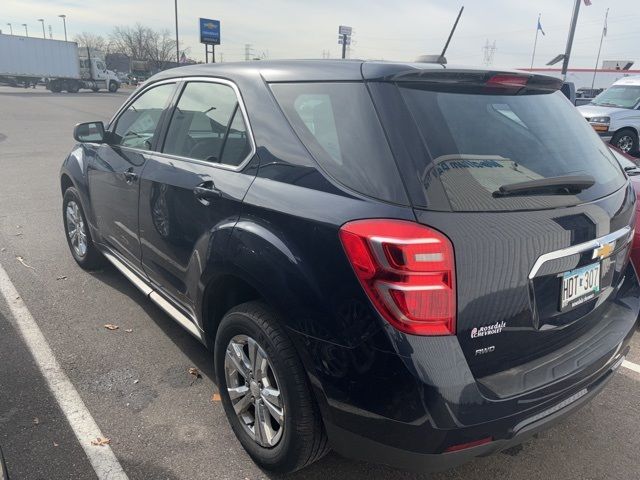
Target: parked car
(615,114)
(410,264)
(631,166)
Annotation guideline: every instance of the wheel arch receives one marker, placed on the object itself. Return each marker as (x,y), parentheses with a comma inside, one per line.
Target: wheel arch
(627,127)
(220,295)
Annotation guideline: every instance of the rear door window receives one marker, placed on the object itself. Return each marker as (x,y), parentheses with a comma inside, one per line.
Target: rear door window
(478,143)
(208,125)
(339,126)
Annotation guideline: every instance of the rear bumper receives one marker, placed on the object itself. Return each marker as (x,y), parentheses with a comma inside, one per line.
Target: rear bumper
(406,404)
(356,446)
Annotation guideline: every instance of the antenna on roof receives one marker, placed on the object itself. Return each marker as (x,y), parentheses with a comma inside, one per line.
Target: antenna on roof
(441,58)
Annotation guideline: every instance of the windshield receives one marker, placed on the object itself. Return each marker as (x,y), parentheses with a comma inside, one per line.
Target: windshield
(623,96)
(479,143)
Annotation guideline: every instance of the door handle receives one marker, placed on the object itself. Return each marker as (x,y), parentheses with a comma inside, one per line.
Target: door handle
(206,191)
(129,175)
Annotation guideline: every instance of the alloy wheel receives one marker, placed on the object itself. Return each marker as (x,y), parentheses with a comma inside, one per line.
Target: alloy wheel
(254,391)
(625,143)
(76,229)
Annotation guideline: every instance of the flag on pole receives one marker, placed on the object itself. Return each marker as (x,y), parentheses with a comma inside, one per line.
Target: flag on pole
(540,27)
(587,3)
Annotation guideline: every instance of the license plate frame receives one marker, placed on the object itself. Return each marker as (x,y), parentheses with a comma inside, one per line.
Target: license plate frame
(579,285)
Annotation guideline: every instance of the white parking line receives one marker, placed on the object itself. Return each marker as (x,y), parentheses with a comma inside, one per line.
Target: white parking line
(102,458)
(631,366)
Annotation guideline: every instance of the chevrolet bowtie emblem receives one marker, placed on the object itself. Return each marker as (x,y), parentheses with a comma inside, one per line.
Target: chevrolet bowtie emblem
(603,251)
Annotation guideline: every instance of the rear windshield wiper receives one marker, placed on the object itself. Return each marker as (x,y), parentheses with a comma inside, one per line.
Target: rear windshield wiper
(566,184)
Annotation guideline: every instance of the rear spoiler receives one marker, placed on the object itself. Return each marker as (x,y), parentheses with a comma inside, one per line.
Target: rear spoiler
(487,81)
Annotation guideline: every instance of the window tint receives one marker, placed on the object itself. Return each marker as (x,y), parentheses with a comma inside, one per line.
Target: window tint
(208,125)
(339,126)
(479,143)
(136,126)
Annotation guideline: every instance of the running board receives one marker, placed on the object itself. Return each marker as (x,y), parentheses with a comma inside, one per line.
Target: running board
(188,324)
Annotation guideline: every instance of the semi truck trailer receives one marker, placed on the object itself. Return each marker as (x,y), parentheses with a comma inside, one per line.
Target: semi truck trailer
(62,65)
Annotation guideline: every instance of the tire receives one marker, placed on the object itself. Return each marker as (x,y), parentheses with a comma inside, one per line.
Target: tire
(113,87)
(302,439)
(55,87)
(626,140)
(89,258)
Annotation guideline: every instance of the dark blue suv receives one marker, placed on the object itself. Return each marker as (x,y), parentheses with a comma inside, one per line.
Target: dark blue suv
(412,264)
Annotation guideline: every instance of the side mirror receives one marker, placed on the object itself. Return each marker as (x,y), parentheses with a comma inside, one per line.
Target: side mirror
(92,132)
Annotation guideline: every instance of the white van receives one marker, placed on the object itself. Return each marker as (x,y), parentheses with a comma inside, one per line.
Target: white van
(615,114)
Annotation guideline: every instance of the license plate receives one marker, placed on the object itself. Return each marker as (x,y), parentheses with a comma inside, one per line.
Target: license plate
(579,286)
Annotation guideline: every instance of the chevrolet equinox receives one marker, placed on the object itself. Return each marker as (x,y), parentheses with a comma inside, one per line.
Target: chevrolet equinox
(412,264)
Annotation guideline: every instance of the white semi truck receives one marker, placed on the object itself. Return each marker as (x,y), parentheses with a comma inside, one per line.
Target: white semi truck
(27,61)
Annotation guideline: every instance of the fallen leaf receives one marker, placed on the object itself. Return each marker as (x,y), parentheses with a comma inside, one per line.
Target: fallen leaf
(21,260)
(129,330)
(136,381)
(3,249)
(215,397)
(55,444)
(18,234)
(195,372)
(61,277)
(110,326)
(100,441)
(36,420)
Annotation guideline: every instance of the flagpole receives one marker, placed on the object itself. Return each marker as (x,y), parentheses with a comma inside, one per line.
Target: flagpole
(604,29)
(535,43)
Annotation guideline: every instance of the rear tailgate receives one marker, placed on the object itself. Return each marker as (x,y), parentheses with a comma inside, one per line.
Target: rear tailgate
(508,312)
(520,257)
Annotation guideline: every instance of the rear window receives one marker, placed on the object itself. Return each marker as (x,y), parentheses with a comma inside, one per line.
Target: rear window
(339,126)
(478,143)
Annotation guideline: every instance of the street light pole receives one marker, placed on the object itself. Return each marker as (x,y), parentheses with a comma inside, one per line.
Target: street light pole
(177,47)
(26,32)
(64,22)
(10,29)
(41,20)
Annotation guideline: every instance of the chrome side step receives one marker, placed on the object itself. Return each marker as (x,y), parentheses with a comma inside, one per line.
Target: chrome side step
(187,323)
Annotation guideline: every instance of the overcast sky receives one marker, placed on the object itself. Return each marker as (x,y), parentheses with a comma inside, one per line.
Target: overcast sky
(390,30)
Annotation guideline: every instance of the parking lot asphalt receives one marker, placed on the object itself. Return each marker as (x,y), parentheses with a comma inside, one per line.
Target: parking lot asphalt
(162,421)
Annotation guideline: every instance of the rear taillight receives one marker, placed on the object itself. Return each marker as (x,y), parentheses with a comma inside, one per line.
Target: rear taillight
(408,272)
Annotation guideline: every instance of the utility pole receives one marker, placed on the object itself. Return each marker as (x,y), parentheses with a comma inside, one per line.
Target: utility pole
(10,29)
(26,31)
(41,20)
(604,34)
(177,47)
(247,52)
(64,22)
(50,32)
(572,31)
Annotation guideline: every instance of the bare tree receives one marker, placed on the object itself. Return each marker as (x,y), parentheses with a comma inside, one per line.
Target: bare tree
(161,48)
(131,41)
(91,40)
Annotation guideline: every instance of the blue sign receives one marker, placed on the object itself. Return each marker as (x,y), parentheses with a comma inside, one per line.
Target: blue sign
(210,31)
